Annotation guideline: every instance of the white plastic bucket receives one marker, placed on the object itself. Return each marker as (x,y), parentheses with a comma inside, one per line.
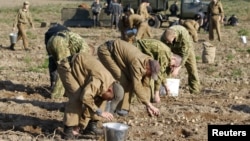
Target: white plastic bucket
(173,86)
(244,39)
(13,38)
(114,131)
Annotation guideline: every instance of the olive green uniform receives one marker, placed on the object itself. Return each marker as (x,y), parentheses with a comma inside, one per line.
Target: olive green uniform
(192,26)
(215,13)
(66,43)
(183,46)
(127,65)
(84,84)
(23,18)
(160,52)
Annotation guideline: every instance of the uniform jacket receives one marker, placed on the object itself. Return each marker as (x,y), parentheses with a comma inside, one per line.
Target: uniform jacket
(93,78)
(215,9)
(65,44)
(143,11)
(183,42)
(193,23)
(132,62)
(159,51)
(23,17)
(135,20)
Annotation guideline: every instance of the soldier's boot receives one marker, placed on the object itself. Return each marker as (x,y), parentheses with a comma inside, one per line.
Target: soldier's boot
(12,46)
(93,129)
(26,49)
(70,132)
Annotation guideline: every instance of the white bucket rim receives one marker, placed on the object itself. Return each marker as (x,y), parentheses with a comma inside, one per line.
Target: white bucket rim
(115,126)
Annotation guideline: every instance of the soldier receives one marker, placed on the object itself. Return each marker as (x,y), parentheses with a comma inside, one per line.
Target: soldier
(133,69)
(116,12)
(69,42)
(56,87)
(216,16)
(233,21)
(143,10)
(180,42)
(202,19)
(88,88)
(192,26)
(134,21)
(174,8)
(123,24)
(167,60)
(96,8)
(23,18)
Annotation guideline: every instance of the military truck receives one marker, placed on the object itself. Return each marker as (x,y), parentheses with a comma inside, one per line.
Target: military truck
(189,8)
(82,17)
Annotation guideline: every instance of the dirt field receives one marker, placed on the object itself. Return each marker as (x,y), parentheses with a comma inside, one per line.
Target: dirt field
(28,113)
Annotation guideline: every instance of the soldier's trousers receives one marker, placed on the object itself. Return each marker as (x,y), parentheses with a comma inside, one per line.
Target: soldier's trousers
(143,31)
(114,20)
(192,29)
(193,77)
(22,34)
(214,23)
(75,112)
(105,55)
(56,86)
(96,19)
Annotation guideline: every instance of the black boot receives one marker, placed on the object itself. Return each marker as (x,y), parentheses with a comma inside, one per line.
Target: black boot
(68,133)
(93,129)
(12,47)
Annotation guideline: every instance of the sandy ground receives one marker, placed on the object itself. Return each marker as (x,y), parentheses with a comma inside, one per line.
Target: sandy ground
(28,113)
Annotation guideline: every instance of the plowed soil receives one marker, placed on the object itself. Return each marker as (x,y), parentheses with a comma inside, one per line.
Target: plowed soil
(28,113)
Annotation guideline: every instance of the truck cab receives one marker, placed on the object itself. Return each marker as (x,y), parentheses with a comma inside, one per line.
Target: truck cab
(189,8)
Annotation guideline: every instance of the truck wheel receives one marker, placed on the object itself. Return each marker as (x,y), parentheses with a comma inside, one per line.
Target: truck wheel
(156,23)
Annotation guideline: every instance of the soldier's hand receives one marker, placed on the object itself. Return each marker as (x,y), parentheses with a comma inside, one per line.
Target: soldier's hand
(153,110)
(175,71)
(157,97)
(167,89)
(107,115)
(13,29)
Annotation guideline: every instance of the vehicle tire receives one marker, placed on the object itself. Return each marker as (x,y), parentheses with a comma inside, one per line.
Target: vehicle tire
(156,23)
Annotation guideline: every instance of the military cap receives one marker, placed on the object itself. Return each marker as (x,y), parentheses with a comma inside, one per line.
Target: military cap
(26,3)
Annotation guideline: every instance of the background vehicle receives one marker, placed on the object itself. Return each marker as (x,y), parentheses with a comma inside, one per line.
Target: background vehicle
(79,17)
(189,8)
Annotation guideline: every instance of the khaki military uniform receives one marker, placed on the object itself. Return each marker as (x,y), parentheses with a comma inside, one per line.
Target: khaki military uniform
(23,18)
(215,13)
(183,46)
(192,26)
(84,84)
(66,43)
(143,29)
(142,10)
(127,65)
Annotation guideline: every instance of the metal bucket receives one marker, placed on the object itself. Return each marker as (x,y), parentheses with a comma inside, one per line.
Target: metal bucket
(13,38)
(115,131)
